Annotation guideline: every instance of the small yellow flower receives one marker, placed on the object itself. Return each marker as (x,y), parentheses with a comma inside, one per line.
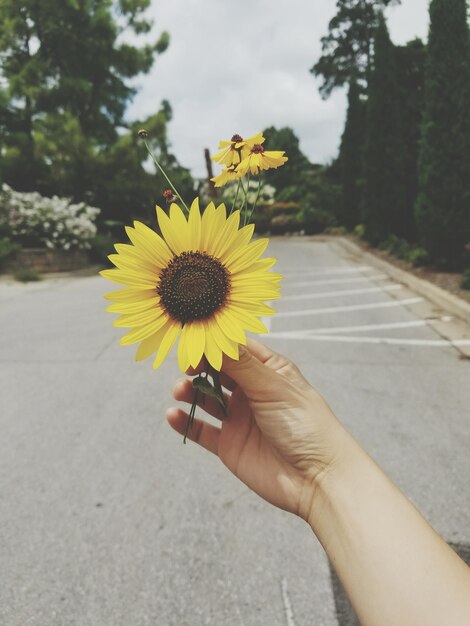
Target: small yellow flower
(260,159)
(230,173)
(235,150)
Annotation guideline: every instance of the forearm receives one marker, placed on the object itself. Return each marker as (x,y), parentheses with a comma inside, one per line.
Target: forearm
(396,569)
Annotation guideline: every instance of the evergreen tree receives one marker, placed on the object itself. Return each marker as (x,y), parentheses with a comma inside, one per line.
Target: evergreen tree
(348,46)
(66,70)
(383,192)
(443,205)
(410,76)
(351,158)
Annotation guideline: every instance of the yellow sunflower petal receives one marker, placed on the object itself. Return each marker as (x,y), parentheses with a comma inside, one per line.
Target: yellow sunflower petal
(151,344)
(166,345)
(230,326)
(227,234)
(134,320)
(141,333)
(174,237)
(183,357)
(131,279)
(227,345)
(137,255)
(243,258)
(256,308)
(241,239)
(132,265)
(130,294)
(133,307)
(248,321)
(216,224)
(196,342)
(212,351)
(194,226)
(149,243)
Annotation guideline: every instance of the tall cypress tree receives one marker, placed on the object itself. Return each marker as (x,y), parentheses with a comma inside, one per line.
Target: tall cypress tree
(443,205)
(350,158)
(383,192)
(410,67)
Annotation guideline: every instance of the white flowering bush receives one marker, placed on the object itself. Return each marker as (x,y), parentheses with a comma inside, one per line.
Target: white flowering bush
(266,195)
(34,220)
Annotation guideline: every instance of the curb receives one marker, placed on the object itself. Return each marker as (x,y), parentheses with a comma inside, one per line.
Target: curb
(455,305)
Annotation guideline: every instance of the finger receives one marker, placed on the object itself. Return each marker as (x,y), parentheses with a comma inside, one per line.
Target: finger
(183,391)
(201,432)
(278,362)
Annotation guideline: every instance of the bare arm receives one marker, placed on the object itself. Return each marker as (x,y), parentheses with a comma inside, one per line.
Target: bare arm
(283,441)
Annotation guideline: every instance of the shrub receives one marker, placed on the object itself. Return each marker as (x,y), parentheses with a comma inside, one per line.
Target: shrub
(396,246)
(465,282)
(101,246)
(26,275)
(418,256)
(8,250)
(359,231)
(34,220)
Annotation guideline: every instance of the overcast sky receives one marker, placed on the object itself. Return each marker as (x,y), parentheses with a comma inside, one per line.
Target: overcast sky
(239,66)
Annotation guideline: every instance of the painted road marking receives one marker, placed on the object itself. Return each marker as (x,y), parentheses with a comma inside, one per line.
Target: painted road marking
(345,292)
(364,327)
(336,281)
(347,269)
(350,307)
(375,340)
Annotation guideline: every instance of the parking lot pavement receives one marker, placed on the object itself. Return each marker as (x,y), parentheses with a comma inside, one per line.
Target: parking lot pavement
(106,519)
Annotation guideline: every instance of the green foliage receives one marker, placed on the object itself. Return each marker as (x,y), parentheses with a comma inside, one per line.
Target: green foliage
(351,158)
(418,256)
(101,246)
(443,205)
(67,71)
(410,63)
(8,250)
(383,190)
(465,282)
(291,174)
(347,49)
(359,231)
(26,275)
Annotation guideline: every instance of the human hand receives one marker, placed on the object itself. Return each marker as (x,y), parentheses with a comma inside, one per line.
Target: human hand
(279,436)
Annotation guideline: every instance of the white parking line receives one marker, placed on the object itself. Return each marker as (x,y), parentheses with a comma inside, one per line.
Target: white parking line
(345,292)
(351,307)
(366,327)
(335,281)
(375,340)
(347,269)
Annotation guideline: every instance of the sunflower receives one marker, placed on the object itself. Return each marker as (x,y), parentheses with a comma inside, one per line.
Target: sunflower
(233,151)
(260,159)
(202,282)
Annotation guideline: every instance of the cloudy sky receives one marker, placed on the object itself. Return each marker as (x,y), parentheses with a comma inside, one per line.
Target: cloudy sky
(239,66)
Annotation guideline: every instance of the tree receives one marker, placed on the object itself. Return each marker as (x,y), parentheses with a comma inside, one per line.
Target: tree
(348,46)
(66,70)
(292,173)
(351,158)
(383,192)
(443,205)
(410,61)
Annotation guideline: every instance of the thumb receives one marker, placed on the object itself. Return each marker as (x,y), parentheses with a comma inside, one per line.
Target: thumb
(257,381)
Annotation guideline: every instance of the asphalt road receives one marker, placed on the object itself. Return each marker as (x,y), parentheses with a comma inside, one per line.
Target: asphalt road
(106,519)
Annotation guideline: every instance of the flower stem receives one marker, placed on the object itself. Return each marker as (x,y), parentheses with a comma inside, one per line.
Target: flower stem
(234,204)
(152,156)
(256,199)
(245,203)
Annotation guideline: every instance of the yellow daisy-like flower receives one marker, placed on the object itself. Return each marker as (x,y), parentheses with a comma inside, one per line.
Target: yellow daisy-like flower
(202,282)
(261,159)
(228,174)
(235,150)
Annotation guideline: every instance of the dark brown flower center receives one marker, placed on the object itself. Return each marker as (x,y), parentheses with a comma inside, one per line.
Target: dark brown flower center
(193,286)
(257,149)
(237,138)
